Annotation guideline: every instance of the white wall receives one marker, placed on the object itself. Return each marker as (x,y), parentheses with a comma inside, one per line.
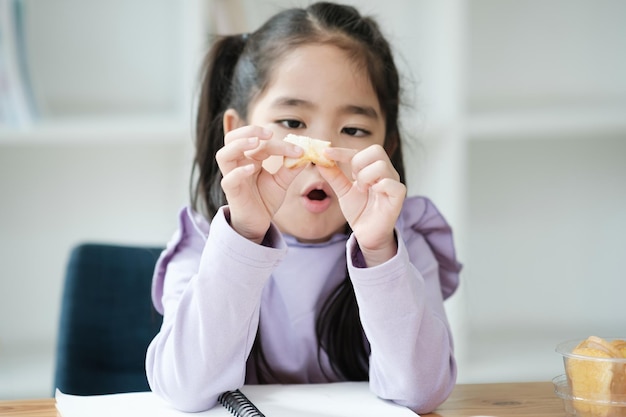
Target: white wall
(547,225)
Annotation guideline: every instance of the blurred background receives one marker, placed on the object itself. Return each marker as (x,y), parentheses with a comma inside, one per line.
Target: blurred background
(516,122)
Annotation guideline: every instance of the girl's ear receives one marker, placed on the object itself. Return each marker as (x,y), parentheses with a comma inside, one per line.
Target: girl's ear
(232,120)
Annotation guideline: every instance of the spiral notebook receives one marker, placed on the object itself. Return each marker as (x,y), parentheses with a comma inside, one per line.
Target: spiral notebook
(310,400)
(338,399)
(238,404)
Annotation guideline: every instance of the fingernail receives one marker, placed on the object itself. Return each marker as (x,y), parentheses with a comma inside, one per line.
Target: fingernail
(295,150)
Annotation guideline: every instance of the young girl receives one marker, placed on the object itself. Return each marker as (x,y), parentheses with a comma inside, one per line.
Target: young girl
(308,274)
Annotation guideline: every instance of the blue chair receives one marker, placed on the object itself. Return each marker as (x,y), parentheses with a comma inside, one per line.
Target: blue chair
(107,320)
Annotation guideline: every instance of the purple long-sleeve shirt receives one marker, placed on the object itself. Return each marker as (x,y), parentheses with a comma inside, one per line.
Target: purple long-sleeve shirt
(212,285)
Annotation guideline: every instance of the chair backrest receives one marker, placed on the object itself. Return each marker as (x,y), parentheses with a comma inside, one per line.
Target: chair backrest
(107,320)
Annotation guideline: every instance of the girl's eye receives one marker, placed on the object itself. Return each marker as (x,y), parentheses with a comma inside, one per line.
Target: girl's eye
(355,131)
(291,123)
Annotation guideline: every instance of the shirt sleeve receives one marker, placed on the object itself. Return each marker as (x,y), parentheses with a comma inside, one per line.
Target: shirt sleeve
(208,288)
(401,308)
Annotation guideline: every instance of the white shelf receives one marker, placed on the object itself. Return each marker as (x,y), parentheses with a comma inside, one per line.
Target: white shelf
(100,130)
(94,85)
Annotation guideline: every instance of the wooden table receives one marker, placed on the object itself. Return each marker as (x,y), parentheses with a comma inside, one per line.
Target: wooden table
(536,399)
(28,408)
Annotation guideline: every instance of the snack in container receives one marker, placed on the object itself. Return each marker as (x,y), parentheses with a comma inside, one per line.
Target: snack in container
(594,384)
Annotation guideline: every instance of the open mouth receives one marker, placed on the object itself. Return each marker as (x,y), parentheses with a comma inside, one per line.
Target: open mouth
(317,195)
(317,198)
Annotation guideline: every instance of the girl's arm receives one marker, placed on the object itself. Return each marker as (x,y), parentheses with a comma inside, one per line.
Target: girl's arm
(209,296)
(401,307)
(396,278)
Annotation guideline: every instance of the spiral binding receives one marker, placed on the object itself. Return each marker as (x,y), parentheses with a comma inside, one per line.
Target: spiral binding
(238,404)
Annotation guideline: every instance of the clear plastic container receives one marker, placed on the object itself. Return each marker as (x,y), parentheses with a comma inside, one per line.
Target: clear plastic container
(586,405)
(591,386)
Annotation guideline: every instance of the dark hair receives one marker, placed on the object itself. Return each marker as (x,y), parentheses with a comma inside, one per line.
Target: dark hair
(236,71)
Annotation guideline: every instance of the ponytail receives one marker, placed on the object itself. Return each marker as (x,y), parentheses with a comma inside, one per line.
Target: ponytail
(219,66)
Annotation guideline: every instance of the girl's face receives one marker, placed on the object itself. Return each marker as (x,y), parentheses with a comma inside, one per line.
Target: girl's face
(317,91)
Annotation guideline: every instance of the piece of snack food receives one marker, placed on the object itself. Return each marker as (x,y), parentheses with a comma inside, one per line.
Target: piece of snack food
(313,152)
(620,345)
(598,378)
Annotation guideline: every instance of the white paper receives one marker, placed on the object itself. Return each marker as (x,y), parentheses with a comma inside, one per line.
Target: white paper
(132,404)
(302,400)
(340,399)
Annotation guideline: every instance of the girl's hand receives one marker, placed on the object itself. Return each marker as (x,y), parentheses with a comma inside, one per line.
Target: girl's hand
(371,201)
(254,194)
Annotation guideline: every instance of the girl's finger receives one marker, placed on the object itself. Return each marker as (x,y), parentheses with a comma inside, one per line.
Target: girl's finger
(372,174)
(232,155)
(336,178)
(340,154)
(249,131)
(272,147)
(284,176)
(370,156)
(231,182)
(395,190)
